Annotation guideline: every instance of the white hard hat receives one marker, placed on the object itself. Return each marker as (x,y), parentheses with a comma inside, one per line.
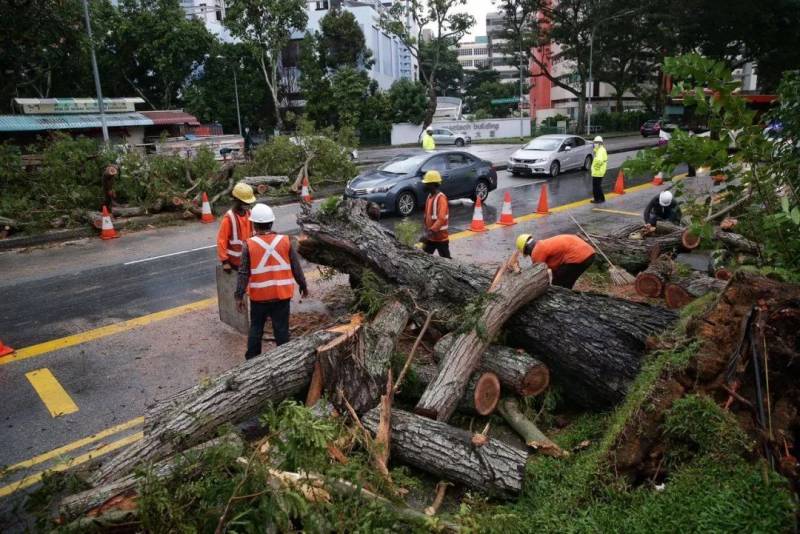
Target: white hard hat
(597,139)
(665,198)
(261,213)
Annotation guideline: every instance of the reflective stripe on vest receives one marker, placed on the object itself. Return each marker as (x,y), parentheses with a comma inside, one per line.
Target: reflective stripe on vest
(234,240)
(271,275)
(435,212)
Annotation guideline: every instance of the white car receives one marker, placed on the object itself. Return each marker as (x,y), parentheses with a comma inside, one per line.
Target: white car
(443,136)
(551,154)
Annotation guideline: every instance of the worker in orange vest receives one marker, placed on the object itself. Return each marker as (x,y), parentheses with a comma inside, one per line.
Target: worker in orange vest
(235,227)
(567,256)
(268,271)
(437,216)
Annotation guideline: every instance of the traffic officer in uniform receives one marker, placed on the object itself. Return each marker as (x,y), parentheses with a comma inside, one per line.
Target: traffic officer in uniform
(268,271)
(235,227)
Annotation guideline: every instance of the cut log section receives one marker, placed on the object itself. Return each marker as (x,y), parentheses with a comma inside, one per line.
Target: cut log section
(679,293)
(594,343)
(517,370)
(508,294)
(651,281)
(534,438)
(355,366)
(194,415)
(447,452)
(99,499)
(690,240)
(481,396)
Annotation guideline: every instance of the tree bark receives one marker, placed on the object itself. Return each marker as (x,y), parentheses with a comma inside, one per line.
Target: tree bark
(517,370)
(480,397)
(592,342)
(447,452)
(357,369)
(512,292)
(534,438)
(634,255)
(97,499)
(737,242)
(679,293)
(651,281)
(195,415)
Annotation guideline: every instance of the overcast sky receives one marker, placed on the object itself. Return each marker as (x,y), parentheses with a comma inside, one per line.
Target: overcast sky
(479,9)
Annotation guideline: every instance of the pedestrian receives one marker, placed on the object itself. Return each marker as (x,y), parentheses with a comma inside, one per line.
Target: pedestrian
(567,256)
(428,142)
(269,269)
(235,227)
(109,174)
(662,207)
(599,165)
(437,216)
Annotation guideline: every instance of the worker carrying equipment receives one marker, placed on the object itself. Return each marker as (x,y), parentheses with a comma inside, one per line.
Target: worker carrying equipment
(599,167)
(437,216)
(269,269)
(235,227)
(662,207)
(428,142)
(567,256)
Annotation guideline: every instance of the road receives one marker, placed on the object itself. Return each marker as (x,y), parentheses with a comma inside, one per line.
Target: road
(112,326)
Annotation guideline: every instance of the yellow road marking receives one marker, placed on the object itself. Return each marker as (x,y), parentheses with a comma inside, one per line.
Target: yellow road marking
(54,397)
(618,212)
(74,445)
(63,466)
(105,331)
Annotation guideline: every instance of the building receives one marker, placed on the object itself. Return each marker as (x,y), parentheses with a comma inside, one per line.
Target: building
(211,13)
(502,61)
(473,55)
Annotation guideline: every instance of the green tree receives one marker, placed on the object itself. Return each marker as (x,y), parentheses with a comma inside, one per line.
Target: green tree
(265,27)
(349,89)
(376,119)
(409,101)
(481,98)
(450,73)
(341,41)
(447,25)
(315,83)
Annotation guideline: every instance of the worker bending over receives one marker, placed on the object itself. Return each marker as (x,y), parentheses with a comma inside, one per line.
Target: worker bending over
(268,271)
(567,256)
(428,142)
(235,227)
(437,216)
(662,207)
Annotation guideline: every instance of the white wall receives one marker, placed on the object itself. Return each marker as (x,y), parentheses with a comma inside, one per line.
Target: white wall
(405,133)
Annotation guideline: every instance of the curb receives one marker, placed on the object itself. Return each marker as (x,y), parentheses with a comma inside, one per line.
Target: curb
(47,237)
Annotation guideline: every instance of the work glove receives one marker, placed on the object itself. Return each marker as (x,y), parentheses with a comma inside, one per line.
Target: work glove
(227,267)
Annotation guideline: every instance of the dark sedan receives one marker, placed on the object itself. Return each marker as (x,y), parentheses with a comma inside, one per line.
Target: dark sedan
(396,186)
(650,128)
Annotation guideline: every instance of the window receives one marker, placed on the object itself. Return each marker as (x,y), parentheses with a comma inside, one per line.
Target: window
(219,14)
(579,141)
(437,163)
(456,161)
(322,5)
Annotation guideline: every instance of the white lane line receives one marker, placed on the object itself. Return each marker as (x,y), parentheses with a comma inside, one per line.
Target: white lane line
(168,255)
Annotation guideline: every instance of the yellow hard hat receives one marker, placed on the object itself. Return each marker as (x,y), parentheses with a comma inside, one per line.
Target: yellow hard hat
(522,240)
(244,192)
(432,177)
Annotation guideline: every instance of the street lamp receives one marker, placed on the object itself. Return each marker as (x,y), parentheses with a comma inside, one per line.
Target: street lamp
(236,93)
(96,73)
(591,53)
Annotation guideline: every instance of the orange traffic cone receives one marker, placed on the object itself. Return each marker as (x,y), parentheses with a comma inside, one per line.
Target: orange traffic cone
(506,217)
(207,216)
(477,224)
(5,350)
(542,208)
(107,228)
(619,187)
(658,179)
(304,194)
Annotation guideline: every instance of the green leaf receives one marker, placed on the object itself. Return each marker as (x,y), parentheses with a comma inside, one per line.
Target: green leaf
(785,204)
(795,215)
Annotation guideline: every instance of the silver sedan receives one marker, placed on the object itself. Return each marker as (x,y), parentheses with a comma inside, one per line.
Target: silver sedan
(551,154)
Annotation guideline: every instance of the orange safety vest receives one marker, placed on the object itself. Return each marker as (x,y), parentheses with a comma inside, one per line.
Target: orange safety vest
(231,244)
(270,268)
(437,210)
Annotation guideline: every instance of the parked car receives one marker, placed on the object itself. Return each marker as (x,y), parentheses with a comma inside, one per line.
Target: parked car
(551,154)
(443,136)
(650,128)
(396,186)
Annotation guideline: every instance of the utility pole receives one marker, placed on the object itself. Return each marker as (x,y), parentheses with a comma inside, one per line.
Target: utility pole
(236,92)
(521,116)
(591,85)
(96,73)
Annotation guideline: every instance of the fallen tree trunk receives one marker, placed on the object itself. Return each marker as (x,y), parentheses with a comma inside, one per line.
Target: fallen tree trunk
(593,343)
(236,394)
(97,500)
(679,293)
(517,370)
(512,291)
(448,452)
(480,397)
(737,242)
(651,281)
